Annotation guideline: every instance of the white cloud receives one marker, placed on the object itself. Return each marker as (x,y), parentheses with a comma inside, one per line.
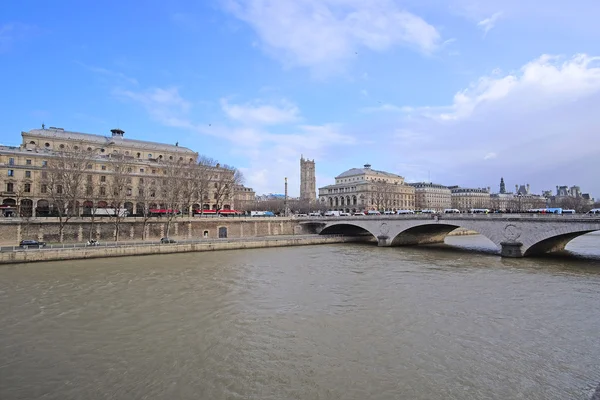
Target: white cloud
(268,157)
(386,107)
(488,23)
(109,73)
(322,33)
(538,124)
(260,113)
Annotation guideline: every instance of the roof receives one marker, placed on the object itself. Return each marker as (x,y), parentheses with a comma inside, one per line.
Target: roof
(362,171)
(106,140)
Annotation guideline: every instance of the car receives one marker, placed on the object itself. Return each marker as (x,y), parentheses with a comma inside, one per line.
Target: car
(31,243)
(167,240)
(356,214)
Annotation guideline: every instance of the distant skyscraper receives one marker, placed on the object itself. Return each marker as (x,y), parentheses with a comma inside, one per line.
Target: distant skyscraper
(502,186)
(308,181)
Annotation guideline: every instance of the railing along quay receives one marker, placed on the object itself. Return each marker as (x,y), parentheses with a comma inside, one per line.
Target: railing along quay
(65,246)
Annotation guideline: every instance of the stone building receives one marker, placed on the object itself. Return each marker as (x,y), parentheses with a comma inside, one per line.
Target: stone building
(465,199)
(143,164)
(308,182)
(244,197)
(571,197)
(360,189)
(431,196)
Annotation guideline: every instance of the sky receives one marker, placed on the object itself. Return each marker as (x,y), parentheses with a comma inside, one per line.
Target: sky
(458,92)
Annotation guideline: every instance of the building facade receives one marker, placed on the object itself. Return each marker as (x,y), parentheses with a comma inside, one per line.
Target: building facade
(431,196)
(359,189)
(143,171)
(465,199)
(308,182)
(244,197)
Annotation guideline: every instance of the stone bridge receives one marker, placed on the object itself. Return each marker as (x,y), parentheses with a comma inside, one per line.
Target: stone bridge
(516,235)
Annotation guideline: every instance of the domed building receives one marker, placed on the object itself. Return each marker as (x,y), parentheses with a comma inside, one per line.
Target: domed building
(359,189)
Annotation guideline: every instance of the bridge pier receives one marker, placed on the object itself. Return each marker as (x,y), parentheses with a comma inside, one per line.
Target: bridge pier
(511,249)
(384,241)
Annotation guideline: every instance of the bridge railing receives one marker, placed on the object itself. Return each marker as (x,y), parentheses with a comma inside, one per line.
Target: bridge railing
(465,216)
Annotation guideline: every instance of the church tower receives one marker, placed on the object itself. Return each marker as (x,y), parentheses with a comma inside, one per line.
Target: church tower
(308,181)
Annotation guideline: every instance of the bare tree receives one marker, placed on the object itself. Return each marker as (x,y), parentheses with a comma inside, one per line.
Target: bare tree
(64,178)
(145,196)
(90,204)
(119,190)
(205,175)
(224,185)
(171,188)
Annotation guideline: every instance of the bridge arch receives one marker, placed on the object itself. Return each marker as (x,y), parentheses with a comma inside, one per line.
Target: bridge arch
(347,229)
(551,241)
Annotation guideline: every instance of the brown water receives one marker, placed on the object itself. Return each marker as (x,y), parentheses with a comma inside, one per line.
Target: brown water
(341,321)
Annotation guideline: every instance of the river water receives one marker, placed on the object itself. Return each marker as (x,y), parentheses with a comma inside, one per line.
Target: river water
(347,321)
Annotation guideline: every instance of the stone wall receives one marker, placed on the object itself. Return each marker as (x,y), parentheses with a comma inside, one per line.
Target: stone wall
(38,255)
(80,230)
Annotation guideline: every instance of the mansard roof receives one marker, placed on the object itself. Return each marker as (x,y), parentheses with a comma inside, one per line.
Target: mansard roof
(363,171)
(106,140)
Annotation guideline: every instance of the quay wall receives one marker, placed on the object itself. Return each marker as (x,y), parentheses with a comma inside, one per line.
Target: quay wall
(82,229)
(37,255)
(130,229)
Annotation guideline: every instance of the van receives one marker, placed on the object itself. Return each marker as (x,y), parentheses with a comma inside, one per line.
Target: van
(373,212)
(568,211)
(451,211)
(427,211)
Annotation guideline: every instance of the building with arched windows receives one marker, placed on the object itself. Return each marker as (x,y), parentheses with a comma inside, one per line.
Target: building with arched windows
(24,170)
(359,189)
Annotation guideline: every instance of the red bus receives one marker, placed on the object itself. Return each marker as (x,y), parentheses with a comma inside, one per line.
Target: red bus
(223,213)
(163,211)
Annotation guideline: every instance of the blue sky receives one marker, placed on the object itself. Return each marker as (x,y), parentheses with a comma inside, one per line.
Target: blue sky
(461,91)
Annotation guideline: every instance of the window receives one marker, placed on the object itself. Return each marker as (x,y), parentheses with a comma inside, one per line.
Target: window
(102,150)
(103,178)
(89,190)
(59,189)
(9,187)
(89,178)
(102,190)
(47,144)
(139,155)
(153,171)
(170,157)
(27,174)
(43,188)
(129,169)
(76,147)
(142,170)
(62,146)
(44,175)
(27,188)
(89,166)
(11,172)
(128,179)
(27,162)
(32,142)
(89,149)
(149,155)
(103,168)
(141,180)
(11,161)
(128,191)
(44,163)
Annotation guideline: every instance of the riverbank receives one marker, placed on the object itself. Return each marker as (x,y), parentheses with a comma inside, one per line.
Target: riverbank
(80,253)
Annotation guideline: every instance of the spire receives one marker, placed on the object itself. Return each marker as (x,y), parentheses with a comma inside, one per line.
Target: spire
(502,186)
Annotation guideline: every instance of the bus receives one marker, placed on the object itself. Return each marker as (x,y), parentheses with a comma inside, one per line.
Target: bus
(217,213)
(159,212)
(451,211)
(110,212)
(594,211)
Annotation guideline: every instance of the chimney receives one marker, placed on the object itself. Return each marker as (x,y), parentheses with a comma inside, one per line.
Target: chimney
(117,132)
(528,188)
(367,166)
(516,189)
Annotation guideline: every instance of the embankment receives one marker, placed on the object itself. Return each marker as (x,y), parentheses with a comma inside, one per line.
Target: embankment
(36,255)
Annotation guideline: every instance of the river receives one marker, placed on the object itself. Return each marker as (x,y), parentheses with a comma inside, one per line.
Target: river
(344,321)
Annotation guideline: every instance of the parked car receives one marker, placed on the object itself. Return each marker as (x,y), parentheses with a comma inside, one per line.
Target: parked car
(167,240)
(31,243)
